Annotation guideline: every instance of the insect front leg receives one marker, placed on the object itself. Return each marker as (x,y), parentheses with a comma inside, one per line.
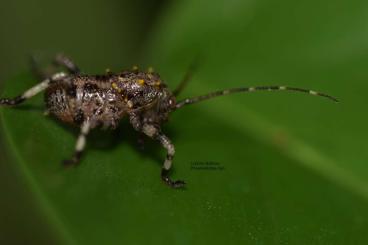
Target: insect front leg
(136,121)
(32,91)
(80,145)
(154,132)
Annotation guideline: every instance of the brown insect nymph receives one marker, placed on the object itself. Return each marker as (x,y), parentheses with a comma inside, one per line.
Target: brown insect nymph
(90,101)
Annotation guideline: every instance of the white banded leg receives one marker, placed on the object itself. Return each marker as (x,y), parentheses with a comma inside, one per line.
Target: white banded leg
(80,145)
(32,91)
(154,133)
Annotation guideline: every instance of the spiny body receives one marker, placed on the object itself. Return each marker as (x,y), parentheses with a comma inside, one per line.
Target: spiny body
(91,101)
(105,99)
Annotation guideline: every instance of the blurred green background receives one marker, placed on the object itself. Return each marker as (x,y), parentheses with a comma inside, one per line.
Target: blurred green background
(295,166)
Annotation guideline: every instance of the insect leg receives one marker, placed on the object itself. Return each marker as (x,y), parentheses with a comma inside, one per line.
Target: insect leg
(187,77)
(155,133)
(80,145)
(37,70)
(59,60)
(32,91)
(140,141)
(136,122)
(66,62)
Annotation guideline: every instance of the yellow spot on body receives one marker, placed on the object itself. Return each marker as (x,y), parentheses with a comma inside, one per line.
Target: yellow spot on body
(141,82)
(150,69)
(130,104)
(115,86)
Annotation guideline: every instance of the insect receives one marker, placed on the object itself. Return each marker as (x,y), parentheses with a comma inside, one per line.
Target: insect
(90,101)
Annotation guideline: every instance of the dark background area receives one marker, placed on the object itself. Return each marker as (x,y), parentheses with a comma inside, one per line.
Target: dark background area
(109,33)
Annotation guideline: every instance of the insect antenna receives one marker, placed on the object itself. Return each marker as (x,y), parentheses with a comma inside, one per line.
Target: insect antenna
(250,89)
(188,75)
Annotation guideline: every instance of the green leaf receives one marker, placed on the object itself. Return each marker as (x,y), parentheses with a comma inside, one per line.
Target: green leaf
(293,166)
